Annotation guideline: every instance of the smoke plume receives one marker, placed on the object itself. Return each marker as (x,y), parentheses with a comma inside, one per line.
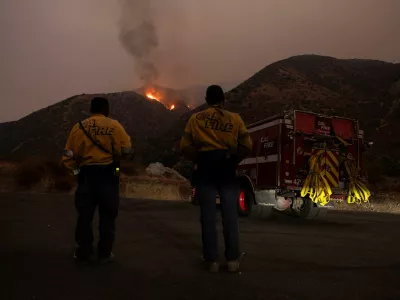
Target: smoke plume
(138,36)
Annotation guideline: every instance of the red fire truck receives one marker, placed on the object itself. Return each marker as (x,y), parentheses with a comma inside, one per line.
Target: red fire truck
(275,174)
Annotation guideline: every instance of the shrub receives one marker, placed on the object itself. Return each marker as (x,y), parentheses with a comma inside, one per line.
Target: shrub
(29,173)
(130,168)
(61,180)
(51,173)
(64,184)
(185,168)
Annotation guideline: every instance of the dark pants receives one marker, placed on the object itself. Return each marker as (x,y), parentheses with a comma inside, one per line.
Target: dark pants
(216,173)
(97,186)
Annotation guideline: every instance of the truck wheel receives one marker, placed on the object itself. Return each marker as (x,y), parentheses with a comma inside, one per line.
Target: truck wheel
(245,202)
(306,209)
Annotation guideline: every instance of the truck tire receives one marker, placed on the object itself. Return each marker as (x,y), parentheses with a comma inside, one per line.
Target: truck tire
(308,210)
(245,201)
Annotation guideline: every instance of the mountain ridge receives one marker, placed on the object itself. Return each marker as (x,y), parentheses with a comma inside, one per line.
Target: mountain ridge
(44,132)
(367,90)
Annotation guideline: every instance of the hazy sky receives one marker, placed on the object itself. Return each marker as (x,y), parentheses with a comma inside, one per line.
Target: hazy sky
(53,49)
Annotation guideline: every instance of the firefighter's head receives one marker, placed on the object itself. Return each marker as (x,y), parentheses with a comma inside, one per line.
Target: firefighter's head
(99,105)
(215,95)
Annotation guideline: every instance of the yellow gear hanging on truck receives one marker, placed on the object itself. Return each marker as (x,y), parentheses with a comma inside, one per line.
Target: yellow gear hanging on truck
(319,189)
(315,185)
(358,192)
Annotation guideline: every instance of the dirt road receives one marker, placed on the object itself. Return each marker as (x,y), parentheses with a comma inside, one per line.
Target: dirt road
(347,256)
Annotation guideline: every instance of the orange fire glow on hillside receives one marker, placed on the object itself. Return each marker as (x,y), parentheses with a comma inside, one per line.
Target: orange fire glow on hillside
(151,96)
(151,93)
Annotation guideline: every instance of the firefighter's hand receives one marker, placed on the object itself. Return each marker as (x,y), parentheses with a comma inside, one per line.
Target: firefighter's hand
(242,152)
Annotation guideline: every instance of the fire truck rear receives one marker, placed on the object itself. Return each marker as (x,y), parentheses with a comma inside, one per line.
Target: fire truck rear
(301,162)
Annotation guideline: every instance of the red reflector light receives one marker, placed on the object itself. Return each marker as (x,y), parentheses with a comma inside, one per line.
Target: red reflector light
(242,202)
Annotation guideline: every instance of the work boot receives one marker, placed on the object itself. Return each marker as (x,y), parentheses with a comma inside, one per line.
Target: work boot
(210,266)
(233,266)
(106,259)
(84,260)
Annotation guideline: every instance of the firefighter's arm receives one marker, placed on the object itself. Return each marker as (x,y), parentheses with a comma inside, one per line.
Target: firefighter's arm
(69,158)
(123,141)
(245,144)
(187,145)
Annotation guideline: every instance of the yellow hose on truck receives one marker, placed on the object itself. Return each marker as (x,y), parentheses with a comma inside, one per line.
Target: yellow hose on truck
(315,184)
(318,188)
(358,192)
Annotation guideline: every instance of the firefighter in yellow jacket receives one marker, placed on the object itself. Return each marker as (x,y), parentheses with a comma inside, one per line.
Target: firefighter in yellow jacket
(216,140)
(92,151)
